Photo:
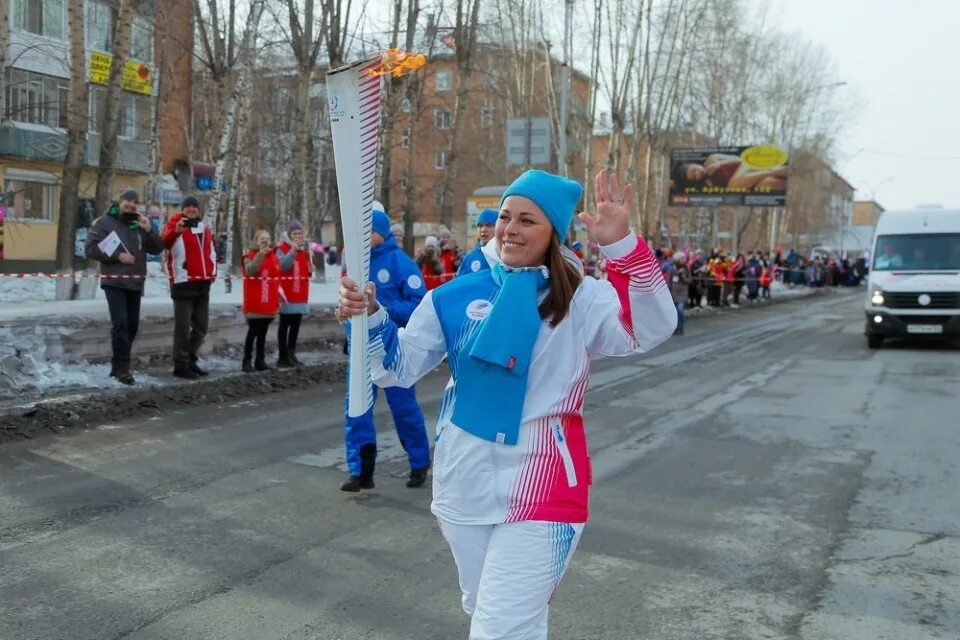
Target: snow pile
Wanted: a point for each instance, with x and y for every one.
(40, 288)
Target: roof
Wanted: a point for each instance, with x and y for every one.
(919, 221)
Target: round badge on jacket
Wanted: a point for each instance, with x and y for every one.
(479, 309)
(383, 276)
(414, 282)
(475, 265)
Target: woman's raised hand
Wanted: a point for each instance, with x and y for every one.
(611, 222)
(353, 301)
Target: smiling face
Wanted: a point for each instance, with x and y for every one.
(129, 206)
(297, 235)
(523, 233)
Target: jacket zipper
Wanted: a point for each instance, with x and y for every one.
(561, 443)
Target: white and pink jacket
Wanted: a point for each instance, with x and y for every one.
(546, 475)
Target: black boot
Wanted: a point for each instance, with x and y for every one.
(247, 366)
(122, 373)
(368, 461)
(197, 370)
(417, 477)
(284, 362)
(186, 372)
(292, 357)
(260, 364)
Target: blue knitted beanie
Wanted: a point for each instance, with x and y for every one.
(487, 216)
(556, 196)
(381, 224)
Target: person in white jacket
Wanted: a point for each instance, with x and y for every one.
(511, 476)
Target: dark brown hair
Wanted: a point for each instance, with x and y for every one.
(564, 280)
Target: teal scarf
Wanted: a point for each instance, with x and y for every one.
(492, 379)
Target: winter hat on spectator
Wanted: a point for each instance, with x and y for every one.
(431, 241)
(397, 229)
(487, 216)
(294, 225)
(556, 196)
(190, 201)
(381, 223)
(129, 194)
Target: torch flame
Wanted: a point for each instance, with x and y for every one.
(398, 63)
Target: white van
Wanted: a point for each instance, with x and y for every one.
(914, 283)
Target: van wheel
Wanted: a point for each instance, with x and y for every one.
(874, 341)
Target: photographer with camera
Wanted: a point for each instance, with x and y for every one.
(192, 268)
(120, 241)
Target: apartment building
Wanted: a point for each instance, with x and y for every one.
(33, 140)
(502, 87)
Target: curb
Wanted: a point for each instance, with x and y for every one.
(87, 410)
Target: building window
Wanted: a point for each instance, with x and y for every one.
(36, 98)
(444, 80)
(31, 195)
(441, 118)
(492, 78)
(141, 40)
(99, 19)
(405, 105)
(135, 121)
(42, 17)
(440, 160)
(405, 139)
(486, 117)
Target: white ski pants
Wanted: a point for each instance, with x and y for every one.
(508, 573)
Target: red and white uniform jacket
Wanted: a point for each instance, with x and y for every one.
(191, 255)
(546, 475)
(261, 292)
(295, 281)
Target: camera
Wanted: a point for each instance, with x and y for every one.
(191, 222)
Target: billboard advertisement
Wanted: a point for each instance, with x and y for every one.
(728, 177)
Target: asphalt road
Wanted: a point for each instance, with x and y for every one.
(764, 476)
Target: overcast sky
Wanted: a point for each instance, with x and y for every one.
(901, 59)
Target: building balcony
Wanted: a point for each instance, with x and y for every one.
(46, 144)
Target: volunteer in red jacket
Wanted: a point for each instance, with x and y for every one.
(261, 297)
(296, 267)
(192, 267)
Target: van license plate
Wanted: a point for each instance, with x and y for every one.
(924, 328)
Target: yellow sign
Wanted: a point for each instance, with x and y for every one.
(137, 77)
(764, 157)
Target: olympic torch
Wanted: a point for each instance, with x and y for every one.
(353, 93)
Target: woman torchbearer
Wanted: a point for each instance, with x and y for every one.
(511, 471)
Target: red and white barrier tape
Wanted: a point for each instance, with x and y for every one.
(108, 276)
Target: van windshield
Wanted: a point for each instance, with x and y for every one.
(918, 252)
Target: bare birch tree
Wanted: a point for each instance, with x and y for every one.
(243, 67)
(465, 39)
(110, 130)
(73, 163)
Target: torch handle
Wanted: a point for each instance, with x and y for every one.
(358, 365)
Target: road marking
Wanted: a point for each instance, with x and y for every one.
(613, 459)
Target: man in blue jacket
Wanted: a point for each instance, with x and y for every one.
(399, 290)
(475, 260)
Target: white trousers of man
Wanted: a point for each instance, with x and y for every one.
(508, 573)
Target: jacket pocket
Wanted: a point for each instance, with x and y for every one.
(561, 442)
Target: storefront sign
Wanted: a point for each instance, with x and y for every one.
(137, 77)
